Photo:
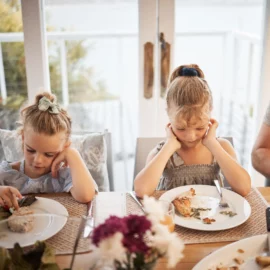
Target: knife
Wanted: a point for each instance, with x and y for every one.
(268, 226)
(80, 230)
(90, 223)
(134, 197)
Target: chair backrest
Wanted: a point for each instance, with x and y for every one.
(143, 147)
(108, 139)
(145, 144)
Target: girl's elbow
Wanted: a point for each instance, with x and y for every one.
(244, 192)
(85, 197)
(247, 187)
(141, 191)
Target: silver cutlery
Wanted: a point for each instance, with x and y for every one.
(80, 230)
(222, 202)
(89, 225)
(85, 229)
(134, 197)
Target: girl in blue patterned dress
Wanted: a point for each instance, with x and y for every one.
(191, 153)
(50, 164)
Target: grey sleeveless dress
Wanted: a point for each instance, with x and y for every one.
(177, 174)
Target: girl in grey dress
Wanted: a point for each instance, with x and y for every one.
(45, 132)
(191, 153)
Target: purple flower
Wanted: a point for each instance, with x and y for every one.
(137, 224)
(134, 238)
(133, 228)
(111, 225)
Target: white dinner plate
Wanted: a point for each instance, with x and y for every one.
(50, 219)
(208, 197)
(252, 247)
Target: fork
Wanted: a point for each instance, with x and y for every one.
(222, 202)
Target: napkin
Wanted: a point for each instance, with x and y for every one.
(108, 204)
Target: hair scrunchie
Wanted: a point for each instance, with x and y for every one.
(190, 72)
(45, 104)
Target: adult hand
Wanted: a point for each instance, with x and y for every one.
(171, 137)
(9, 195)
(210, 135)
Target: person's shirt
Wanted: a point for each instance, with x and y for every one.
(177, 174)
(266, 119)
(43, 184)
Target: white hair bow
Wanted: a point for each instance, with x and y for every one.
(45, 104)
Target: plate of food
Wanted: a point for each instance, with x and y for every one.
(197, 207)
(249, 254)
(38, 220)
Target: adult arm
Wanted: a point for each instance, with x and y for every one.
(260, 155)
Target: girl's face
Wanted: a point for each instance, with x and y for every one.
(40, 150)
(190, 133)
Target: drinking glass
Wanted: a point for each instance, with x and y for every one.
(169, 211)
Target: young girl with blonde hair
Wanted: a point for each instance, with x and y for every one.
(45, 131)
(191, 153)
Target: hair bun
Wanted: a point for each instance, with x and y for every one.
(191, 72)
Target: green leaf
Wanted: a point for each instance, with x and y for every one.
(41, 257)
(5, 260)
(17, 259)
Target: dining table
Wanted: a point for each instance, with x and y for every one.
(193, 252)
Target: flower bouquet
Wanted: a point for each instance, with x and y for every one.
(135, 242)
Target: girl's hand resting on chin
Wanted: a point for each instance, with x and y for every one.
(171, 138)
(61, 160)
(210, 135)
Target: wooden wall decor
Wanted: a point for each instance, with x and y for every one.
(148, 69)
(164, 64)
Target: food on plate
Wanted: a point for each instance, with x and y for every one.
(208, 220)
(228, 213)
(240, 250)
(5, 211)
(24, 221)
(26, 201)
(192, 191)
(263, 260)
(182, 203)
(239, 260)
(196, 212)
(183, 206)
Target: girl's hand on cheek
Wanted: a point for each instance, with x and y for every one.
(210, 135)
(59, 162)
(171, 138)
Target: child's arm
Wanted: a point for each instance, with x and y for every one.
(83, 189)
(147, 180)
(261, 151)
(222, 150)
(9, 195)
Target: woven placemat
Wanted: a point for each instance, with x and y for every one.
(63, 241)
(255, 225)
